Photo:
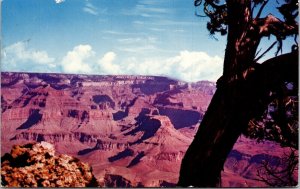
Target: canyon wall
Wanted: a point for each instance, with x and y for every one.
(132, 130)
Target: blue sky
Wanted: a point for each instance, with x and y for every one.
(144, 37)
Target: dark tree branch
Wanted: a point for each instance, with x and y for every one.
(289, 11)
(270, 25)
(262, 8)
(283, 68)
(282, 174)
(266, 51)
(279, 46)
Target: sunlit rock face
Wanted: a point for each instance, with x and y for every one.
(132, 130)
(36, 165)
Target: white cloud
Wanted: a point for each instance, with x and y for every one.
(108, 57)
(138, 40)
(187, 66)
(149, 2)
(157, 29)
(74, 61)
(107, 65)
(163, 22)
(138, 45)
(138, 49)
(144, 8)
(19, 57)
(91, 9)
(147, 9)
(194, 66)
(18, 52)
(59, 1)
(118, 33)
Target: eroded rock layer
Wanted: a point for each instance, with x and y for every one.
(132, 130)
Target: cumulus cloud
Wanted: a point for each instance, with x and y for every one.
(187, 66)
(107, 65)
(108, 58)
(19, 52)
(59, 1)
(19, 57)
(194, 66)
(75, 60)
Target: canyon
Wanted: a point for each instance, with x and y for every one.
(132, 130)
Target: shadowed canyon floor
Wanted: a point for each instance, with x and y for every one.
(132, 130)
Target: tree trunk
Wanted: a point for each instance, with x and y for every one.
(242, 41)
(229, 112)
(223, 123)
(242, 94)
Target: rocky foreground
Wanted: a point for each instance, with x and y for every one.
(36, 165)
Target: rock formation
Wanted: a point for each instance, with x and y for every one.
(35, 165)
(132, 130)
